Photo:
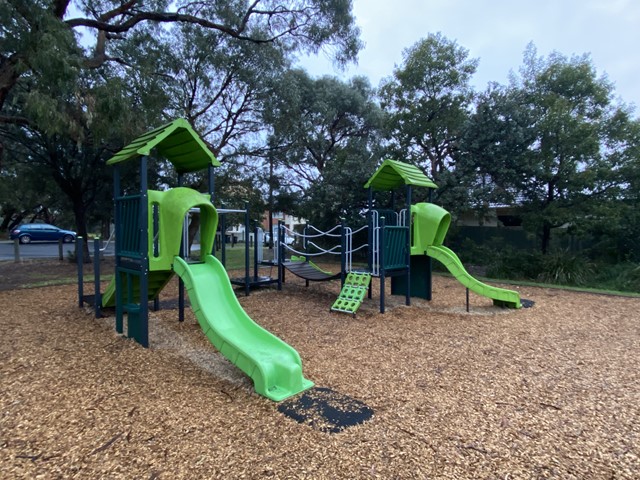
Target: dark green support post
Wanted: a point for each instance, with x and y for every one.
(97, 301)
(183, 250)
(467, 300)
(212, 192)
(118, 245)
(223, 237)
(211, 182)
(306, 249)
(256, 269)
(80, 265)
(370, 232)
(382, 269)
(281, 270)
(343, 252)
(429, 263)
(247, 272)
(143, 331)
(408, 245)
(181, 295)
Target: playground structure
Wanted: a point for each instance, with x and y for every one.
(149, 250)
(400, 246)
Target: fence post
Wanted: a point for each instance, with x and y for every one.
(16, 250)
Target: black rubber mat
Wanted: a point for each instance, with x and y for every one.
(326, 410)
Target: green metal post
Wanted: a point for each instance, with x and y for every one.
(144, 250)
(183, 248)
(80, 262)
(97, 302)
(381, 268)
(281, 275)
(247, 269)
(430, 263)
(118, 245)
(223, 237)
(343, 252)
(408, 245)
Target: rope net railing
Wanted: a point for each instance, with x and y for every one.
(314, 254)
(322, 250)
(399, 219)
(324, 234)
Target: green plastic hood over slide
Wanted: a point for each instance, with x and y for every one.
(431, 226)
(273, 365)
(172, 206)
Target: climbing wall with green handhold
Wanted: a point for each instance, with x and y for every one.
(352, 294)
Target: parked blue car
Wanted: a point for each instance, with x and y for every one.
(41, 232)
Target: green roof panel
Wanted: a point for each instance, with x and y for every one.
(177, 142)
(393, 174)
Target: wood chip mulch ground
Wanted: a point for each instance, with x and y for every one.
(551, 391)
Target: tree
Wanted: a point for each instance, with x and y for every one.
(553, 141)
(493, 147)
(76, 106)
(325, 135)
(427, 100)
(306, 25)
(28, 195)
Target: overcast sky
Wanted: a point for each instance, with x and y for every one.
(497, 33)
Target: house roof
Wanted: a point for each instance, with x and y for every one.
(393, 174)
(175, 141)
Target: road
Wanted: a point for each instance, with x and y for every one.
(42, 250)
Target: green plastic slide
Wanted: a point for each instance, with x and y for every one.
(273, 365)
(449, 259)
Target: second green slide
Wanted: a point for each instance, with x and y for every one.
(449, 259)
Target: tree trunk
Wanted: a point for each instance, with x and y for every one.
(80, 215)
(7, 216)
(8, 77)
(105, 229)
(546, 237)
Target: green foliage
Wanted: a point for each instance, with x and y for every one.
(324, 143)
(563, 268)
(66, 108)
(554, 142)
(427, 101)
(624, 277)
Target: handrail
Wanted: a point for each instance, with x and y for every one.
(307, 254)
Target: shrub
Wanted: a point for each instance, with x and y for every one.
(516, 265)
(563, 268)
(624, 277)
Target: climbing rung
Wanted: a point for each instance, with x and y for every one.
(358, 279)
(352, 293)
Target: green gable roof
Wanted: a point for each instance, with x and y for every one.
(175, 141)
(393, 174)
